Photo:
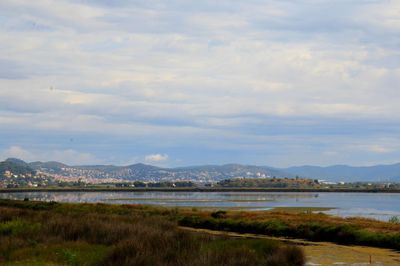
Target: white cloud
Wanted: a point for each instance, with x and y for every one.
(379, 146)
(380, 149)
(156, 158)
(16, 152)
(222, 74)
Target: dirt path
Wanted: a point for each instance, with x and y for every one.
(323, 253)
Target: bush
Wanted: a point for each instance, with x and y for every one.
(19, 227)
(218, 214)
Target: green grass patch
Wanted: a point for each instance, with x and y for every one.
(69, 253)
(18, 227)
(301, 209)
(346, 234)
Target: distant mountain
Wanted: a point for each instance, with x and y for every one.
(143, 172)
(16, 161)
(53, 167)
(15, 166)
(349, 173)
(220, 172)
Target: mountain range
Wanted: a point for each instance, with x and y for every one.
(347, 173)
(207, 173)
(143, 172)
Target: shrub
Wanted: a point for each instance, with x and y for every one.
(70, 257)
(19, 227)
(218, 214)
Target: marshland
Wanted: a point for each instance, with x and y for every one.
(52, 233)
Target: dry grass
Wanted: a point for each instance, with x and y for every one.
(300, 217)
(98, 234)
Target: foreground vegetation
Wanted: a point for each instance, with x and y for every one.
(301, 225)
(42, 233)
(39, 233)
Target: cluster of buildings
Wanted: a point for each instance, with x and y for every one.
(11, 180)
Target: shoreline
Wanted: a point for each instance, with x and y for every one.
(299, 190)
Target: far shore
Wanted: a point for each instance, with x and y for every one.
(194, 189)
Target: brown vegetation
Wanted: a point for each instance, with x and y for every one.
(99, 234)
(309, 226)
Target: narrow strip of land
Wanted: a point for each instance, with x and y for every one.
(195, 189)
(324, 253)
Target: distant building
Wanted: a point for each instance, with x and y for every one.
(7, 173)
(324, 182)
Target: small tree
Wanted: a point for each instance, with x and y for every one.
(394, 220)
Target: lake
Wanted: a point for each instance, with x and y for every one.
(380, 206)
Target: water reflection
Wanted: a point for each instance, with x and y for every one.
(372, 205)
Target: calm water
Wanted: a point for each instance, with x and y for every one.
(373, 205)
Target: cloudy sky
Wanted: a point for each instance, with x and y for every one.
(182, 82)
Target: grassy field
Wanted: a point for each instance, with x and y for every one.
(39, 233)
(299, 223)
(300, 209)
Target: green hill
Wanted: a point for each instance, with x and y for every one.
(16, 167)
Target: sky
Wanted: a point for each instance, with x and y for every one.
(184, 82)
